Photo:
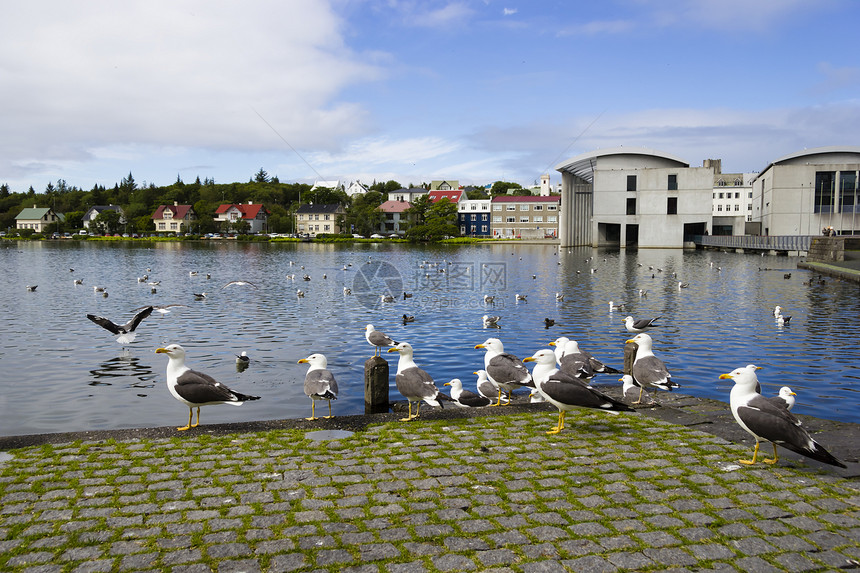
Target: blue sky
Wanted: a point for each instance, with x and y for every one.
(473, 90)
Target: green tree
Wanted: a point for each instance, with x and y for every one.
(502, 187)
(261, 176)
(419, 209)
(363, 215)
(440, 221)
(108, 221)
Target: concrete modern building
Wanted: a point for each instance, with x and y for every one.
(732, 201)
(808, 191)
(473, 217)
(526, 217)
(633, 196)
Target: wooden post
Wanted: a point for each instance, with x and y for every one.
(629, 357)
(376, 385)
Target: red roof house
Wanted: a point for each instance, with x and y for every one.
(256, 215)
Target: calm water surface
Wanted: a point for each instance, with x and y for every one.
(61, 372)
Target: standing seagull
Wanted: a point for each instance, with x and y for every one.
(766, 421)
(567, 392)
(505, 370)
(195, 389)
(486, 387)
(126, 331)
(631, 390)
(784, 399)
(319, 383)
(648, 370)
(377, 339)
(414, 383)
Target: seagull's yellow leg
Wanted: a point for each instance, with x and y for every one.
(417, 409)
(499, 402)
(198, 418)
(755, 456)
(409, 417)
(313, 410)
(641, 389)
(329, 410)
(775, 456)
(190, 414)
(510, 398)
(560, 424)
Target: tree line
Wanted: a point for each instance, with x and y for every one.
(139, 202)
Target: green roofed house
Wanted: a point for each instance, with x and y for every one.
(37, 218)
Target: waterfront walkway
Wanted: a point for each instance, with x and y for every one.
(479, 490)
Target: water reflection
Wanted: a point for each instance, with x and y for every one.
(721, 321)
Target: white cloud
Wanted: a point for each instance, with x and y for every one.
(509, 11)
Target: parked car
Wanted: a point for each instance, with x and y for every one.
(357, 236)
(376, 236)
(82, 232)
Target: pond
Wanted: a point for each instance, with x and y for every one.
(62, 372)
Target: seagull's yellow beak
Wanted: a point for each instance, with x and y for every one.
(302, 361)
(629, 341)
(724, 376)
(621, 379)
(529, 359)
(446, 384)
(475, 373)
(161, 351)
(793, 393)
(480, 346)
(552, 343)
(392, 350)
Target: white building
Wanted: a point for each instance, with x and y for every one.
(632, 196)
(807, 191)
(356, 188)
(408, 195)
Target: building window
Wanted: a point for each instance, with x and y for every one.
(551, 219)
(672, 206)
(162, 226)
(537, 208)
(721, 182)
(719, 207)
(847, 191)
(537, 219)
(174, 226)
(524, 207)
(474, 217)
(474, 207)
(749, 195)
(824, 195)
(631, 206)
(631, 183)
(524, 219)
(749, 206)
(738, 195)
(483, 228)
(497, 207)
(673, 183)
(510, 219)
(497, 219)
(737, 207)
(511, 208)
(484, 217)
(473, 229)
(552, 207)
(485, 206)
(722, 195)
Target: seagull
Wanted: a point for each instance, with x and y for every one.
(79, 281)
(648, 370)
(125, 332)
(581, 364)
(239, 283)
(192, 273)
(486, 387)
(377, 339)
(505, 370)
(490, 320)
(386, 298)
(777, 310)
(683, 285)
(489, 299)
(347, 291)
(559, 344)
(199, 296)
(632, 390)
(243, 358)
(559, 297)
(567, 392)
(765, 421)
(319, 383)
(465, 398)
(638, 326)
(161, 309)
(408, 319)
(98, 289)
(300, 293)
(195, 389)
(782, 319)
(521, 297)
(414, 383)
(785, 398)
(613, 306)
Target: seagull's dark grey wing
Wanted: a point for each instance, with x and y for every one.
(199, 388)
(132, 324)
(105, 323)
(507, 369)
(380, 339)
(469, 398)
(321, 383)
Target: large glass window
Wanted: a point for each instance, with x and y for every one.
(673, 183)
(631, 183)
(847, 191)
(824, 191)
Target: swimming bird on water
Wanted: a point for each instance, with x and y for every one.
(639, 325)
(196, 389)
(243, 358)
(490, 321)
(768, 422)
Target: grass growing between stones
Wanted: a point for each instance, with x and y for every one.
(610, 492)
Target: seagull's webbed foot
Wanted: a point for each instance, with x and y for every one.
(775, 457)
(313, 412)
(754, 458)
(409, 416)
(198, 419)
(188, 425)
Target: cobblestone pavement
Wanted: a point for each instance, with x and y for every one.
(482, 493)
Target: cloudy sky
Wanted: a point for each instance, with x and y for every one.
(414, 90)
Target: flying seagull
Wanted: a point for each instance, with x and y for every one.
(125, 331)
(239, 283)
(196, 389)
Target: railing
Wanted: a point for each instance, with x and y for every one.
(755, 242)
